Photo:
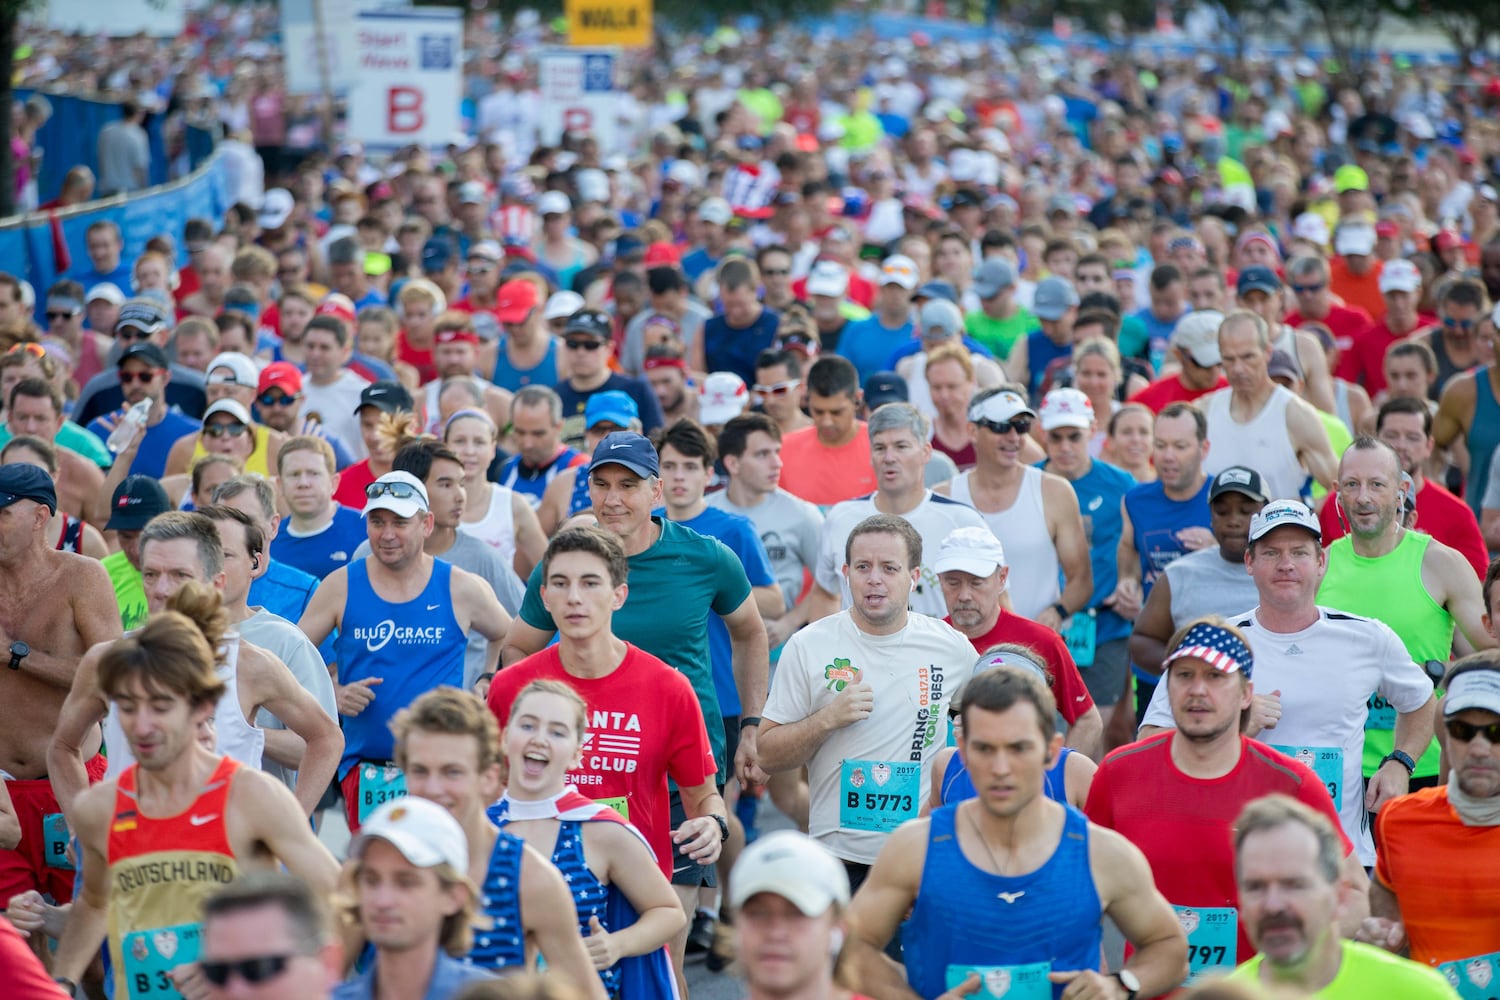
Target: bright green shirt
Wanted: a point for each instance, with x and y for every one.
(1367, 972)
(130, 595)
(1000, 335)
(75, 439)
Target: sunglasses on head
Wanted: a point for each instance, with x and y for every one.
(778, 389)
(1309, 289)
(224, 430)
(1464, 732)
(259, 969)
(401, 491)
(276, 399)
(129, 378)
(583, 345)
(37, 350)
(1021, 425)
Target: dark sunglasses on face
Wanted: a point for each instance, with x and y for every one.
(1309, 289)
(224, 430)
(583, 345)
(401, 491)
(1459, 324)
(778, 272)
(1021, 425)
(129, 378)
(60, 314)
(276, 399)
(1464, 732)
(132, 333)
(254, 971)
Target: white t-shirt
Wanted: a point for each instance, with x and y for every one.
(1326, 673)
(334, 405)
(913, 673)
(934, 518)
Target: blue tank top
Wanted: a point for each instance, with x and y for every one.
(1053, 915)
(957, 785)
(1483, 437)
(414, 647)
(544, 372)
(579, 501)
(589, 894)
(1041, 352)
(1155, 520)
(502, 944)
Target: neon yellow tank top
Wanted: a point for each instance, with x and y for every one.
(258, 462)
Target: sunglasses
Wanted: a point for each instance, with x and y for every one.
(1466, 731)
(1021, 425)
(1459, 324)
(132, 333)
(130, 378)
(481, 268)
(224, 430)
(60, 314)
(34, 349)
(401, 491)
(1309, 289)
(254, 971)
(583, 345)
(779, 389)
(276, 399)
(776, 272)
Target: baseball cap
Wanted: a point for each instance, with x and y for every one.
(149, 353)
(592, 322)
(662, 254)
(627, 448)
(339, 306)
(885, 387)
(1350, 177)
(1473, 689)
(232, 368)
(899, 269)
(1257, 278)
(721, 398)
(386, 396)
(553, 203)
(275, 208)
(1054, 297)
(64, 303)
(106, 290)
(1000, 407)
(1215, 645)
(456, 335)
(1312, 227)
(472, 193)
(1356, 239)
(973, 550)
(145, 313)
(23, 481)
(1197, 333)
(613, 406)
(939, 318)
(401, 493)
(1281, 365)
(1238, 479)
(715, 210)
(561, 304)
(1281, 513)
(281, 375)
(424, 832)
(436, 253)
(793, 866)
(233, 407)
(937, 288)
(993, 276)
(137, 500)
(828, 277)
(1399, 275)
(515, 299)
(1066, 408)
(486, 250)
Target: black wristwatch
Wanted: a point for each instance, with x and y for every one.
(1062, 610)
(1128, 980)
(723, 826)
(1400, 757)
(67, 986)
(18, 652)
(750, 720)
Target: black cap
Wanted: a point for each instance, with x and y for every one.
(20, 481)
(885, 387)
(147, 352)
(1241, 480)
(137, 500)
(387, 397)
(594, 322)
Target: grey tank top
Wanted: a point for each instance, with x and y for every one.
(1205, 583)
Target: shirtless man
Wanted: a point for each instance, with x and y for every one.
(53, 607)
(34, 407)
(178, 547)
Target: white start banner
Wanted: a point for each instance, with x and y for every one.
(408, 81)
(578, 94)
(300, 42)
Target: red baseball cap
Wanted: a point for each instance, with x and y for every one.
(515, 299)
(281, 375)
(459, 335)
(662, 254)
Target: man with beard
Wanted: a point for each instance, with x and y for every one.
(666, 369)
(1201, 775)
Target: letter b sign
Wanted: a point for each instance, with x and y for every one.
(403, 110)
(579, 121)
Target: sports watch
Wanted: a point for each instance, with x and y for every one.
(18, 652)
(1128, 980)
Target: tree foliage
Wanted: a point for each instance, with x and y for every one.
(10, 17)
(1471, 25)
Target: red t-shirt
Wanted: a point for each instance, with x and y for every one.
(418, 358)
(644, 724)
(1344, 322)
(352, 483)
(1364, 361)
(1067, 683)
(1184, 825)
(1169, 389)
(1439, 513)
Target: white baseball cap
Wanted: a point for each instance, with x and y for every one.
(561, 305)
(411, 501)
(553, 203)
(1399, 275)
(1312, 227)
(899, 269)
(715, 210)
(828, 277)
(233, 407)
(972, 550)
(722, 397)
(1198, 334)
(1066, 408)
(793, 866)
(232, 368)
(1000, 407)
(1354, 239)
(1473, 689)
(1279, 513)
(424, 832)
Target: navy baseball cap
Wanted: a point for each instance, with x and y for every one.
(436, 253)
(21, 481)
(144, 351)
(1257, 278)
(885, 387)
(136, 501)
(387, 397)
(627, 448)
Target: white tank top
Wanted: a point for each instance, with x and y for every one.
(1035, 575)
(1262, 444)
(431, 391)
(498, 527)
(237, 738)
(917, 393)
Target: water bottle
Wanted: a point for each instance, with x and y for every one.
(135, 417)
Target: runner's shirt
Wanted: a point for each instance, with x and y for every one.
(321, 552)
(1068, 689)
(1366, 971)
(532, 483)
(790, 528)
(161, 870)
(868, 778)
(1325, 674)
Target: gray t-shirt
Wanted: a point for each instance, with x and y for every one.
(633, 351)
(286, 642)
(1205, 583)
(474, 556)
(789, 527)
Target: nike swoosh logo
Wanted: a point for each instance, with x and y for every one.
(1082, 697)
(433, 607)
(200, 820)
(616, 447)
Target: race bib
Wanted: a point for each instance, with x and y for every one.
(55, 835)
(1212, 933)
(1473, 978)
(1327, 763)
(618, 803)
(1081, 633)
(1013, 982)
(1381, 714)
(877, 795)
(379, 784)
(150, 956)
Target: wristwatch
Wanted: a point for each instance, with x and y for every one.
(67, 986)
(18, 652)
(1128, 980)
(1400, 757)
(1061, 609)
(723, 826)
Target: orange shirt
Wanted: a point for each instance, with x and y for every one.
(823, 475)
(1358, 290)
(1443, 875)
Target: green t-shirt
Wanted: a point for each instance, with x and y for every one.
(1000, 335)
(1339, 438)
(1367, 971)
(673, 586)
(75, 439)
(129, 594)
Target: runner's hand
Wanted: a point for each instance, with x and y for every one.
(1126, 600)
(967, 988)
(1049, 618)
(27, 911)
(1383, 933)
(1265, 712)
(1387, 783)
(1088, 985)
(699, 839)
(779, 630)
(851, 705)
(1194, 539)
(190, 982)
(747, 758)
(601, 945)
(355, 698)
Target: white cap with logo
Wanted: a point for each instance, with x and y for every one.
(1066, 408)
(424, 832)
(973, 550)
(401, 493)
(794, 866)
(1283, 513)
